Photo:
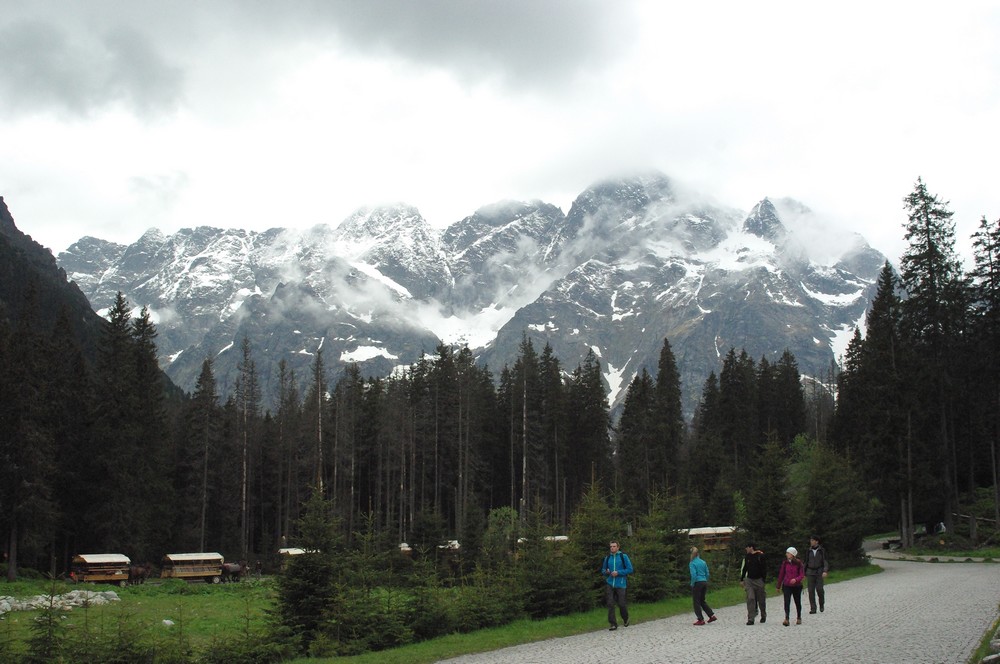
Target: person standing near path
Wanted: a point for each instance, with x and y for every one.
(699, 587)
(616, 568)
(753, 575)
(790, 577)
(816, 569)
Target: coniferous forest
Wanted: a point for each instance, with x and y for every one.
(99, 453)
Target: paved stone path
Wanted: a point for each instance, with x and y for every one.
(913, 612)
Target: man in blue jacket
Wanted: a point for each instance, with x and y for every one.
(616, 568)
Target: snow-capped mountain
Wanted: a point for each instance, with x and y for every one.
(633, 261)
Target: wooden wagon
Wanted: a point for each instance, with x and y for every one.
(193, 566)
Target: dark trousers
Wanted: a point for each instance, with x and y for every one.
(756, 597)
(793, 592)
(617, 596)
(698, 592)
(815, 588)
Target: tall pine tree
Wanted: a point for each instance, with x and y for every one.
(933, 321)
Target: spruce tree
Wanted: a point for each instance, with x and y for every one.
(595, 522)
(152, 444)
(246, 399)
(347, 406)
(848, 429)
(789, 399)
(706, 460)
(588, 430)
(640, 470)
(660, 551)
(933, 320)
(886, 447)
(669, 415)
(27, 464)
(310, 580)
(554, 433)
(986, 312)
(529, 462)
(199, 458)
(833, 504)
(739, 427)
(113, 521)
(69, 397)
(768, 508)
(288, 441)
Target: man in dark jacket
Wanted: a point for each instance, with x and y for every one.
(616, 567)
(816, 569)
(753, 573)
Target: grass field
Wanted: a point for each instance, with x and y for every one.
(203, 614)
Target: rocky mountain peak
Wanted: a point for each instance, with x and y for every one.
(377, 224)
(6, 220)
(763, 221)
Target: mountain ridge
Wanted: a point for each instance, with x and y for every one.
(633, 261)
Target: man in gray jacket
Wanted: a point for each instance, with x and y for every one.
(816, 569)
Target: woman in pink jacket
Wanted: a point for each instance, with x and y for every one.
(790, 582)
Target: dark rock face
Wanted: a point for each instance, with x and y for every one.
(30, 278)
(632, 262)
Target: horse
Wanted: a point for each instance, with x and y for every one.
(137, 574)
(233, 572)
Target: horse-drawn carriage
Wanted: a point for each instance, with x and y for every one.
(193, 566)
(100, 568)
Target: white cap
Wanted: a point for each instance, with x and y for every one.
(792, 550)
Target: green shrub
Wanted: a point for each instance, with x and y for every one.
(361, 621)
(659, 553)
(432, 612)
(553, 582)
(48, 635)
(492, 599)
(262, 650)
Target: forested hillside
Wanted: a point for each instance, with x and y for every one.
(97, 457)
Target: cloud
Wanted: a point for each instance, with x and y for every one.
(517, 42)
(159, 192)
(321, 106)
(75, 73)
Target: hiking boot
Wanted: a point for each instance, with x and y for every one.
(712, 618)
(698, 623)
(785, 622)
(750, 622)
(812, 610)
(798, 621)
(612, 628)
(763, 619)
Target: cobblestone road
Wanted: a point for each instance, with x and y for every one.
(912, 612)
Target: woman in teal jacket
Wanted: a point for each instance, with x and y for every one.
(699, 587)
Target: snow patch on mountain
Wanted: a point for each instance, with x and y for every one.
(834, 299)
(362, 353)
(616, 380)
(374, 273)
(783, 298)
(740, 251)
(840, 338)
(476, 329)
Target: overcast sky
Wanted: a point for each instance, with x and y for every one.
(117, 116)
